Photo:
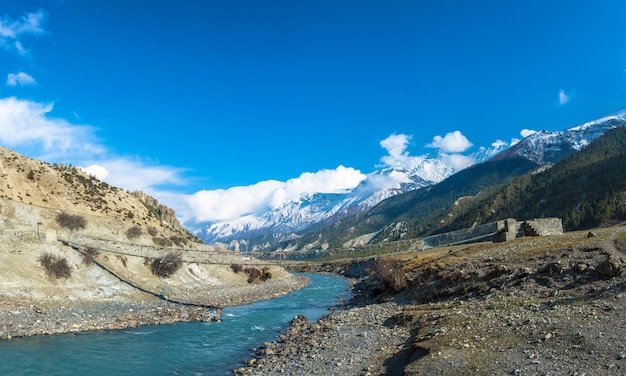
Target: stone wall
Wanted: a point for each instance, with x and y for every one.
(508, 229)
(544, 227)
(511, 228)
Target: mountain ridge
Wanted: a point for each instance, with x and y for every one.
(311, 212)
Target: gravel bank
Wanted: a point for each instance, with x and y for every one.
(27, 318)
(357, 341)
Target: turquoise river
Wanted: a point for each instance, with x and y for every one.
(179, 349)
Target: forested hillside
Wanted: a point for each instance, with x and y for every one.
(586, 189)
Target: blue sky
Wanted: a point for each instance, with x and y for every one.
(221, 108)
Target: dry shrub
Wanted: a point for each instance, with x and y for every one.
(55, 266)
(152, 231)
(166, 266)
(236, 268)
(391, 272)
(253, 274)
(71, 222)
(178, 240)
(265, 274)
(123, 260)
(162, 242)
(134, 232)
(89, 255)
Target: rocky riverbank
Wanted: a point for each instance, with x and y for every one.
(357, 341)
(537, 306)
(27, 318)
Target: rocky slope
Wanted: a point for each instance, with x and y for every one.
(534, 306)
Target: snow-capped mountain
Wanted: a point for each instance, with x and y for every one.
(322, 209)
(549, 147)
(312, 209)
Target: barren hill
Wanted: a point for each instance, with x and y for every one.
(115, 253)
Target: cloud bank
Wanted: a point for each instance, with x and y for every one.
(234, 202)
(227, 204)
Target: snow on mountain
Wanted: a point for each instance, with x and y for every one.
(315, 209)
(545, 147)
(310, 209)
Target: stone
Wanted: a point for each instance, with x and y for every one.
(611, 267)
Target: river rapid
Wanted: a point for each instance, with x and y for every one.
(179, 349)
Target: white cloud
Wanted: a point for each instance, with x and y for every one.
(133, 175)
(27, 125)
(97, 171)
(433, 168)
(26, 122)
(453, 142)
(21, 78)
(396, 144)
(527, 132)
(563, 97)
(20, 49)
(459, 161)
(398, 156)
(498, 143)
(12, 30)
(225, 204)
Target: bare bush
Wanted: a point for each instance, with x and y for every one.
(122, 259)
(162, 242)
(168, 265)
(236, 268)
(178, 240)
(89, 255)
(134, 232)
(391, 272)
(55, 266)
(152, 231)
(253, 274)
(71, 222)
(265, 274)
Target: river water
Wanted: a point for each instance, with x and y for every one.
(177, 349)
